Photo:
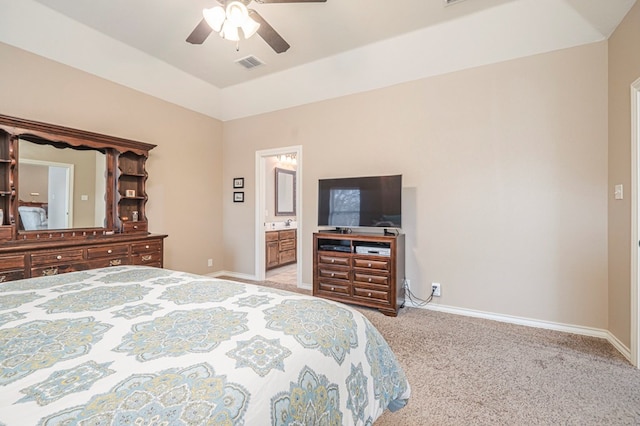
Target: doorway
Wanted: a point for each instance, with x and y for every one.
(635, 223)
(51, 184)
(265, 217)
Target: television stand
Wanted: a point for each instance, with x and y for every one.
(360, 269)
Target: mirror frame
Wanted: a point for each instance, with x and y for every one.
(60, 136)
(278, 210)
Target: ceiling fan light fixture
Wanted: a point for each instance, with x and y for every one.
(237, 13)
(249, 27)
(215, 17)
(229, 32)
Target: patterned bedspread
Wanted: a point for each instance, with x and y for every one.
(145, 346)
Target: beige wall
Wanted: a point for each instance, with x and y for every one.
(184, 183)
(505, 180)
(624, 69)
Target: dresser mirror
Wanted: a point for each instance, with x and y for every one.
(60, 187)
(59, 183)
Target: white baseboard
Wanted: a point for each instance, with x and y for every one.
(567, 328)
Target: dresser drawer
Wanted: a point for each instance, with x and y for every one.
(333, 260)
(329, 287)
(146, 258)
(335, 274)
(45, 271)
(372, 279)
(371, 264)
(377, 295)
(107, 251)
(131, 227)
(104, 263)
(17, 274)
(148, 247)
(56, 257)
(13, 261)
(6, 233)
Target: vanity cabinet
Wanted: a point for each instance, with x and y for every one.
(280, 248)
(110, 229)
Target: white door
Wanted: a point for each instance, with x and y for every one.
(58, 197)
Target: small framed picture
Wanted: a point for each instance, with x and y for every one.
(130, 193)
(238, 197)
(238, 183)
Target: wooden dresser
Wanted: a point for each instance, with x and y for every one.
(102, 220)
(37, 259)
(347, 269)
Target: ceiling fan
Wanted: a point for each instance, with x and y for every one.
(231, 16)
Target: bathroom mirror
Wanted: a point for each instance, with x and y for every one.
(285, 186)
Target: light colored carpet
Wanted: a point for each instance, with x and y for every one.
(470, 371)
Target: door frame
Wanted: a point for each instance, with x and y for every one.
(261, 206)
(635, 223)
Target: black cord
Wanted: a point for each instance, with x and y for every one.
(415, 300)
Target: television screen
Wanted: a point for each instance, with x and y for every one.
(360, 201)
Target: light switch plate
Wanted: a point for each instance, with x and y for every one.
(618, 192)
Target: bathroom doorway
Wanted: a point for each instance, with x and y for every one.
(278, 215)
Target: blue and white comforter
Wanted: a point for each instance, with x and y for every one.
(146, 346)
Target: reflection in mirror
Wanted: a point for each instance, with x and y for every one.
(60, 188)
(285, 192)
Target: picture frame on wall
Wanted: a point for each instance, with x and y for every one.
(238, 182)
(238, 197)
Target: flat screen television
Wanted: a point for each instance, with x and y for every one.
(372, 201)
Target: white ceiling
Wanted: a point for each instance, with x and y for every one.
(337, 48)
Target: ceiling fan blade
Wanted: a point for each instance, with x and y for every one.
(290, 1)
(268, 34)
(200, 33)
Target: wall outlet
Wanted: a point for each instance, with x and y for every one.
(210, 262)
(435, 288)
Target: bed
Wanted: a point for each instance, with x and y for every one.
(134, 345)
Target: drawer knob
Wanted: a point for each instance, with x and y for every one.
(369, 279)
(58, 257)
(147, 246)
(368, 294)
(109, 251)
(333, 261)
(333, 274)
(135, 226)
(369, 265)
(147, 258)
(333, 288)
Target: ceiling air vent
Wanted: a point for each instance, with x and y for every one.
(250, 62)
(450, 2)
